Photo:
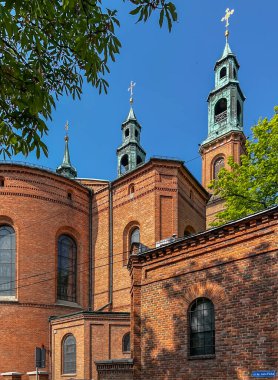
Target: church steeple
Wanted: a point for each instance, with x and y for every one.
(225, 101)
(66, 169)
(225, 122)
(130, 153)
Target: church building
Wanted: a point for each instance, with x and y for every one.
(125, 279)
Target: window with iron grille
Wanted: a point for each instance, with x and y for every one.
(202, 330)
(7, 261)
(67, 255)
(126, 342)
(69, 355)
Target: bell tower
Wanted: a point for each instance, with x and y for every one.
(130, 153)
(225, 121)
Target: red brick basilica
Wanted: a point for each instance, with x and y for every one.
(125, 279)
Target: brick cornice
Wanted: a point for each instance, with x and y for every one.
(210, 238)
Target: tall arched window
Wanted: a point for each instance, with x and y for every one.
(124, 164)
(220, 110)
(126, 342)
(223, 72)
(134, 240)
(7, 261)
(202, 330)
(69, 355)
(67, 252)
(217, 166)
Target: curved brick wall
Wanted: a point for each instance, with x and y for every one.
(38, 206)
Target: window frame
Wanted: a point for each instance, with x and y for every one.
(65, 338)
(204, 354)
(10, 292)
(73, 297)
(124, 342)
(215, 161)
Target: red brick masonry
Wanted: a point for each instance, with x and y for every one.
(235, 266)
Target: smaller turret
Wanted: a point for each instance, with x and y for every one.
(130, 153)
(66, 169)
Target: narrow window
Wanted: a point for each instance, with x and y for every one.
(131, 189)
(124, 164)
(202, 330)
(220, 110)
(188, 231)
(134, 241)
(217, 166)
(238, 109)
(2, 182)
(138, 160)
(67, 253)
(127, 132)
(69, 355)
(126, 343)
(235, 74)
(223, 72)
(7, 261)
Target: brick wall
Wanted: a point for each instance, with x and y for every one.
(160, 206)
(98, 337)
(230, 145)
(236, 268)
(36, 204)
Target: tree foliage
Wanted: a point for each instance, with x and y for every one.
(253, 185)
(47, 47)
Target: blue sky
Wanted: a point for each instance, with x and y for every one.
(173, 74)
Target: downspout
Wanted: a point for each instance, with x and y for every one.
(91, 258)
(110, 245)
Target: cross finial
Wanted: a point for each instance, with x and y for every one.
(226, 18)
(130, 89)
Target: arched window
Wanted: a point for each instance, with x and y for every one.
(7, 261)
(69, 355)
(202, 330)
(124, 164)
(67, 252)
(134, 240)
(127, 132)
(131, 189)
(126, 342)
(223, 72)
(188, 231)
(220, 110)
(138, 160)
(238, 111)
(235, 74)
(217, 166)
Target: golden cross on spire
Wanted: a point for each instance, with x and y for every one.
(130, 89)
(226, 18)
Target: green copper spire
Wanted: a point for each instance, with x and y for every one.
(66, 169)
(130, 153)
(227, 50)
(225, 101)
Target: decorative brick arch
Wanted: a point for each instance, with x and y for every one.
(208, 289)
